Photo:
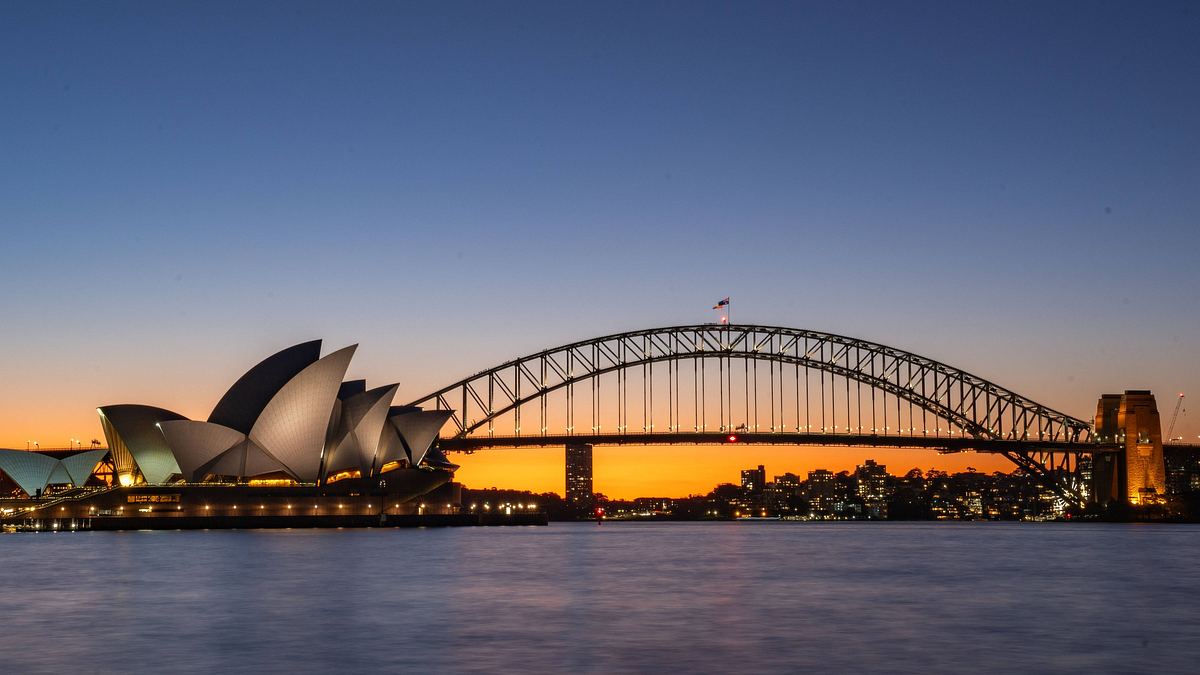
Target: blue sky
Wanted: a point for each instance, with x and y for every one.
(1010, 187)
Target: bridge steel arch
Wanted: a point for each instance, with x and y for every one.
(966, 404)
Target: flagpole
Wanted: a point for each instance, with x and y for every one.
(725, 305)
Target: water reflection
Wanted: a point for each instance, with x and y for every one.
(625, 597)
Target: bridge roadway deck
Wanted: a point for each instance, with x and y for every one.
(941, 444)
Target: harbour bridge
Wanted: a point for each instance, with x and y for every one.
(723, 383)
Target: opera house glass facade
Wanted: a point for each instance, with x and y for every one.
(290, 422)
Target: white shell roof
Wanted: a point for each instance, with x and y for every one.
(292, 428)
(418, 429)
(33, 471)
(198, 443)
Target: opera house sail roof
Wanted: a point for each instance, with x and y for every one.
(357, 438)
(291, 416)
(418, 429)
(135, 442)
(34, 471)
(245, 400)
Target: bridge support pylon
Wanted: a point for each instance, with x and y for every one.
(1138, 474)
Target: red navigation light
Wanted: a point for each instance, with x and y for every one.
(733, 438)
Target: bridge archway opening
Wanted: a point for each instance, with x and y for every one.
(629, 471)
(771, 384)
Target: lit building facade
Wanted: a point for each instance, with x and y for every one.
(754, 480)
(580, 498)
(1183, 470)
(821, 492)
(873, 488)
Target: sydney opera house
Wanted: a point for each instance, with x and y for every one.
(291, 438)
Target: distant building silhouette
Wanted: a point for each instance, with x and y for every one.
(754, 480)
(821, 491)
(580, 499)
(873, 488)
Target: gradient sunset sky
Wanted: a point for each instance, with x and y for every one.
(1009, 187)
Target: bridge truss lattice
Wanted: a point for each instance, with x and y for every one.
(765, 382)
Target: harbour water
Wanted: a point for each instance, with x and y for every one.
(621, 597)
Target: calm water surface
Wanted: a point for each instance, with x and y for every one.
(622, 597)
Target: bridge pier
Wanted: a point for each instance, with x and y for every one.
(1138, 474)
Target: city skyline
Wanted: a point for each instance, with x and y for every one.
(628, 470)
(460, 336)
(911, 175)
(625, 470)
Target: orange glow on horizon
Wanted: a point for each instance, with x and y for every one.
(626, 472)
(623, 472)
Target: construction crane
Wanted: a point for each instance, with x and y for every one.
(1174, 416)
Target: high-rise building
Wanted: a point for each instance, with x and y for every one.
(788, 481)
(754, 480)
(821, 492)
(781, 497)
(579, 479)
(873, 487)
(1183, 470)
